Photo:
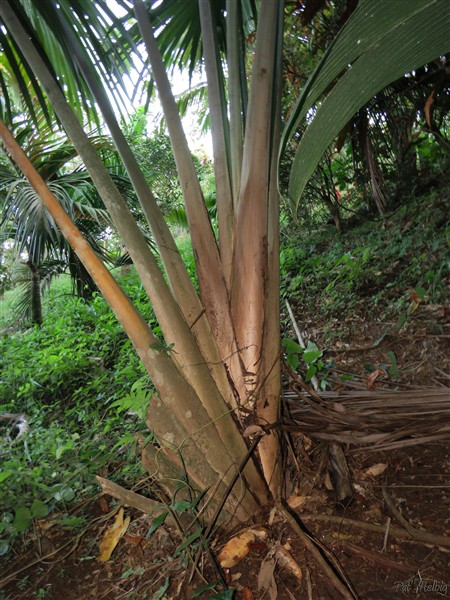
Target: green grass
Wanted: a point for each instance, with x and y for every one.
(6, 308)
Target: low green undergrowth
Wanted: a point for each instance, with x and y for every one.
(376, 264)
(84, 393)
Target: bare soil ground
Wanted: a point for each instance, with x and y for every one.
(365, 543)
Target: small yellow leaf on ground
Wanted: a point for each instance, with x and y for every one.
(112, 536)
(235, 549)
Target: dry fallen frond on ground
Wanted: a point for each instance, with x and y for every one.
(376, 419)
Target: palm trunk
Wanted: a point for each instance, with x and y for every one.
(220, 138)
(250, 267)
(268, 404)
(213, 288)
(181, 285)
(179, 425)
(375, 176)
(36, 298)
(174, 327)
(235, 95)
(240, 299)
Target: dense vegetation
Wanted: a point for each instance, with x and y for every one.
(376, 264)
(85, 393)
(329, 190)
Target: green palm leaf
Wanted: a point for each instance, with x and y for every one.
(19, 82)
(180, 38)
(23, 216)
(48, 271)
(103, 39)
(382, 41)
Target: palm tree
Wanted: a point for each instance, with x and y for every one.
(220, 365)
(36, 238)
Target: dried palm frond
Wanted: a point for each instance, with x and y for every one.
(378, 420)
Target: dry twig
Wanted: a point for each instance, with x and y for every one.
(427, 538)
(376, 557)
(346, 591)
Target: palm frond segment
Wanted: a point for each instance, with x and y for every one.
(380, 43)
(102, 37)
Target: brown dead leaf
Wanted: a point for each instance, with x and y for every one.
(272, 516)
(266, 579)
(247, 594)
(253, 430)
(343, 136)
(257, 546)
(112, 536)
(375, 470)
(373, 514)
(104, 505)
(328, 483)
(297, 501)
(338, 535)
(260, 534)
(307, 443)
(134, 539)
(235, 549)
(373, 376)
(285, 560)
(416, 301)
(48, 521)
(340, 408)
(359, 489)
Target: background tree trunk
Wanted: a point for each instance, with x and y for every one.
(36, 298)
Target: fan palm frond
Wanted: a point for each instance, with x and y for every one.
(25, 220)
(103, 39)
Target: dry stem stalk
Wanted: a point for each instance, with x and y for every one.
(344, 590)
(421, 536)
